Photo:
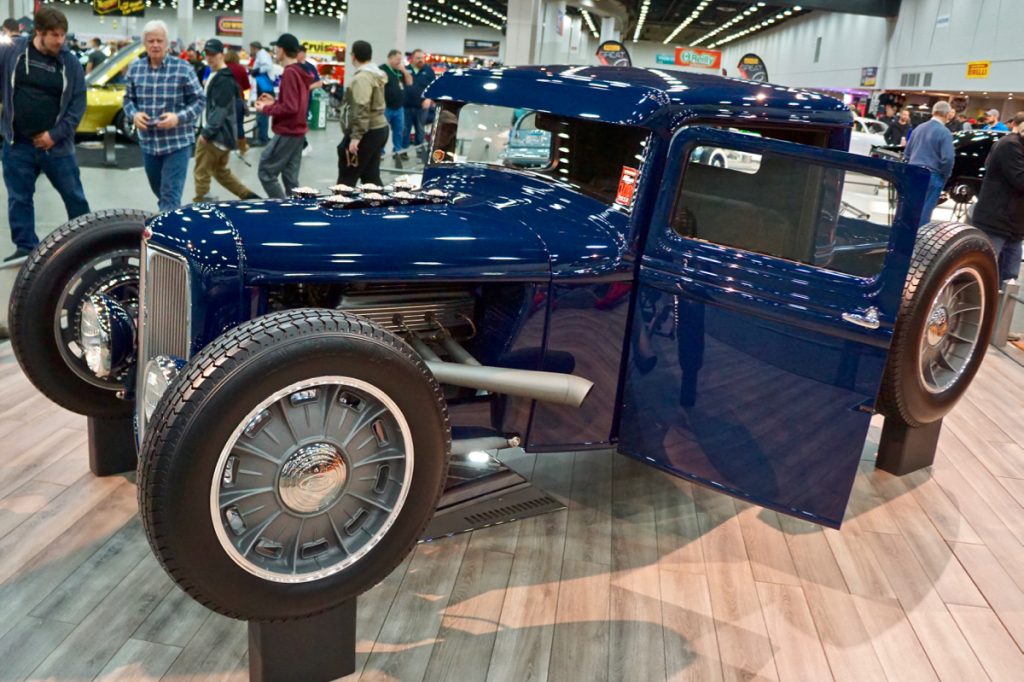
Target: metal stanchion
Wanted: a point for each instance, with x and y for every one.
(110, 146)
(1004, 318)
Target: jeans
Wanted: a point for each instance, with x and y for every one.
(262, 128)
(166, 174)
(396, 121)
(22, 165)
(931, 198)
(414, 121)
(282, 157)
(1008, 254)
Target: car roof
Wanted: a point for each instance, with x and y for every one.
(651, 98)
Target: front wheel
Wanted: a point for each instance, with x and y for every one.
(293, 465)
(944, 323)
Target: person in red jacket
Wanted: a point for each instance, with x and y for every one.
(283, 156)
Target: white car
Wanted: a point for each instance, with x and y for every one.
(867, 133)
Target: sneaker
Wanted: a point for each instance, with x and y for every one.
(403, 155)
(307, 151)
(20, 253)
(259, 143)
(250, 196)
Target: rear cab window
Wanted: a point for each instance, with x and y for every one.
(600, 160)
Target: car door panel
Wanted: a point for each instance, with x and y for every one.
(751, 372)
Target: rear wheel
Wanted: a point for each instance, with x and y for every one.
(294, 465)
(126, 127)
(93, 255)
(943, 326)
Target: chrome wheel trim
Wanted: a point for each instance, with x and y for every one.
(949, 338)
(329, 496)
(113, 274)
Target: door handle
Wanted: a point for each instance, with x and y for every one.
(869, 319)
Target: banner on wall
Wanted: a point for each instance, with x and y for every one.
(481, 48)
(978, 69)
(869, 76)
(752, 68)
(613, 53)
(119, 8)
(695, 57)
(324, 47)
(229, 25)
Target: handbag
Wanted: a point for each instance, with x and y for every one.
(264, 86)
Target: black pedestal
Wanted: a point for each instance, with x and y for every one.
(315, 649)
(904, 449)
(111, 446)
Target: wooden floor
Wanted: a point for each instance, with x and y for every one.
(645, 577)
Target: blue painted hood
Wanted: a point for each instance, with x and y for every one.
(497, 225)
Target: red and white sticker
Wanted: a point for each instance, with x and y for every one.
(627, 185)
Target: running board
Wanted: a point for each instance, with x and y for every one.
(482, 494)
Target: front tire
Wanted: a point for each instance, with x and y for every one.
(97, 253)
(293, 465)
(943, 325)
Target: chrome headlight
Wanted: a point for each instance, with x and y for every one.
(94, 336)
(107, 335)
(159, 373)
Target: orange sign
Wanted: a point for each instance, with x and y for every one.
(696, 57)
(229, 25)
(627, 186)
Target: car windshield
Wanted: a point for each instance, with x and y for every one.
(101, 75)
(592, 156)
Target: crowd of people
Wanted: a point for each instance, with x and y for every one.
(192, 108)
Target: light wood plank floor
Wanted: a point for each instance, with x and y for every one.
(644, 577)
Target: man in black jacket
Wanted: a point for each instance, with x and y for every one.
(1000, 209)
(218, 134)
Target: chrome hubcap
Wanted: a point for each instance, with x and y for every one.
(311, 479)
(950, 336)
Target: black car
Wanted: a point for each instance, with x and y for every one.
(972, 148)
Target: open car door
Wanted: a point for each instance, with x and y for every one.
(768, 290)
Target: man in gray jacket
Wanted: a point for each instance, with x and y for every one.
(43, 94)
(218, 134)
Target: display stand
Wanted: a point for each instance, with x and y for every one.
(323, 647)
(314, 649)
(111, 446)
(904, 449)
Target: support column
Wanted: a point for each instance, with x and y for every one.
(252, 22)
(609, 29)
(282, 18)
(555, 39)
(382, 23)
(575, 55)
(184, 30)
(522, 45)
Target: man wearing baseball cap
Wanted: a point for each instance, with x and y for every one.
(218, 133)
(992, 121)
(283, 156)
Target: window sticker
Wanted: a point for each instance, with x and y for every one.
(627, 185)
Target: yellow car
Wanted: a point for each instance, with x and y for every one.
(105, 94)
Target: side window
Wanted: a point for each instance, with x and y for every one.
(787, 208)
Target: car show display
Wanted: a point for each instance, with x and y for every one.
(595, 257)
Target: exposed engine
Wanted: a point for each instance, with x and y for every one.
(399, 308)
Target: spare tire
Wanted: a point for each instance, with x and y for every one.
(97, 253)
(943, 325)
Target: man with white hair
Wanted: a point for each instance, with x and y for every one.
(931, 146)
(164, 100)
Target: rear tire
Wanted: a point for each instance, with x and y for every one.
(943, 325)
(94, 253)
(293, 465)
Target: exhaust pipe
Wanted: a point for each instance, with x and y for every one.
(464, 446)
(550, 387)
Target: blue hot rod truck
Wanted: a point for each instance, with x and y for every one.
(688, 268)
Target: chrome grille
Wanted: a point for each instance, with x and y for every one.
(165, 318)
(166, 311)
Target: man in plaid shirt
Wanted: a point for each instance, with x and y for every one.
(164, 99)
